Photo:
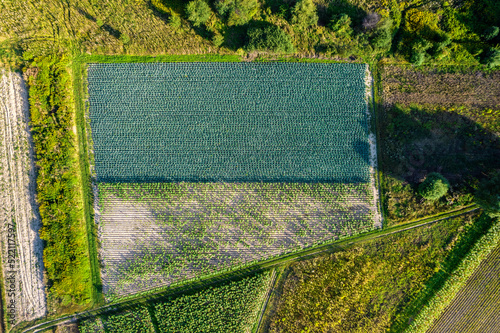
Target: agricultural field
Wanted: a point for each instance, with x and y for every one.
(229, 307)
(21, 247)
(256, 164)
(476, 307)
(435, 121)
(230, 122)
(154, 234)
(364, 287)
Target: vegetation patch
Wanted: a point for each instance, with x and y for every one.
(228, 307)
(365, 287)
(59, 193)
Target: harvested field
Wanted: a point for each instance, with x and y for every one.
(476, 308)
(22, 248)
(473, 89)
(157, 234)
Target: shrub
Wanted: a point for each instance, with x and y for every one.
(198, 12)
(492, 58)
(382, 37)
(491, 33)
(434, 186)
(269, 38)
(237, 12)
(305, 13)
(174, 21)
(341, 24)
(488, 195)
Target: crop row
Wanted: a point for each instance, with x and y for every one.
(153, 234)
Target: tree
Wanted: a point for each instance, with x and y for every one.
(198, 12)
(382, 37)
(305, 14)
(237, 12)
(370, 21)
(488, 195)
(434, 186)
(269, 38)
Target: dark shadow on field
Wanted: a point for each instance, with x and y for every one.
(415, 142)
(106, 27)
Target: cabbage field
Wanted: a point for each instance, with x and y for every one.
(204, 167)
(269, 122)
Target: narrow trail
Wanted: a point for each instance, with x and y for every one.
(20, 212)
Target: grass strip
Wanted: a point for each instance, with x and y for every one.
(88, 199)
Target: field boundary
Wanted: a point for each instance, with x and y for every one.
(88, 199)
(199, 283)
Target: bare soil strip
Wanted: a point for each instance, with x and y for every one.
(473, 89)
(22, 249)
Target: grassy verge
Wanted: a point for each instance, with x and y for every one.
(88, 199)
(158, 58)
(59, 185)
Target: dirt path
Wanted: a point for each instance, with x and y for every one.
(22, 248)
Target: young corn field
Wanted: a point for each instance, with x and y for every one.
(202, 167)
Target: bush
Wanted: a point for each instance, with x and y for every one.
(488, 195)
(434, 186)
(198, 12)
(492, 58)
(341, 24)
(491, 33)
(174, 21)
(237, 12)
(305, 13)
(269, 38)
(382, 37)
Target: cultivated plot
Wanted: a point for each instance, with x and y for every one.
(204, 166)
(154, 234)
(22, 248)
(476, 308)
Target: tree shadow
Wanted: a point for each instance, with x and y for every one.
(106, 27)
(416, 141)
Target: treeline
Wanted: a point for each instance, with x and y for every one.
(59, 193)
(418, 31)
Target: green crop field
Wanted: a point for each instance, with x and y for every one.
(202, 167)
(229, 122)
(229, 307)
(158, 233)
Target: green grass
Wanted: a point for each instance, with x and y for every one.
(366, 286)
(78, 75)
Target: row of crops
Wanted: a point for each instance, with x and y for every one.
(229, 122)
(230, 307)
(159, 233)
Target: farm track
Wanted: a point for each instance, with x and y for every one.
(476, 307)
(161, 293)
(19, 207)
